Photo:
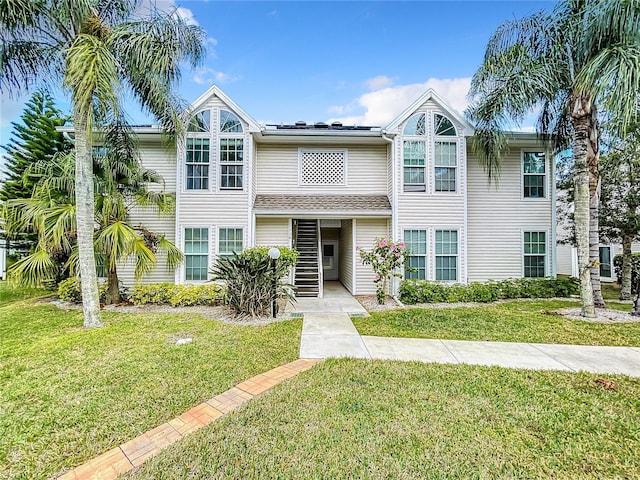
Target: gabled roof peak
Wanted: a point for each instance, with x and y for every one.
(214, 90)
(430, 94)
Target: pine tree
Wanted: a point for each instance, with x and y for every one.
(34, 139)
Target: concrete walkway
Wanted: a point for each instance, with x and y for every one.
(327, 332)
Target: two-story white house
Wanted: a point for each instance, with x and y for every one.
(328, 189)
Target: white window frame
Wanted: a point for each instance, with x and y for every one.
(184, 243)
(219, 163)
(545, 186)
(425, 255)
(430, 139)
(546, 249)
(456, 167)
(345, 163)
(425, 167)
(219, 253)
(456, 255)
(209, 164)
(611, 256)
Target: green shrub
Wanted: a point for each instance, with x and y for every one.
(153, 293)
(424, 291)
(249, 279)
(635, 270)
(190, 295)
(69, 290)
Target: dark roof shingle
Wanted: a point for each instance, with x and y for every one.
(323, 203)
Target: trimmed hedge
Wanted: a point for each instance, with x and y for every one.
(425, 291)
(635, 270)
(69, 290)
(177, 295)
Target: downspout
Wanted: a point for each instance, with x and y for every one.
(394, 203)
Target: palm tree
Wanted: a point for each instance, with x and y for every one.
(120, 184)
(96, 49)
(571, 63)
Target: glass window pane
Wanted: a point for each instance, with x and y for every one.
(200, 122)
(415, 125)
(414, 153)
(447, 268)
(446, 154)
(230, 240)
(229, 122)
(533, 162)
(417, 268)
(605, 262)
(443, 126)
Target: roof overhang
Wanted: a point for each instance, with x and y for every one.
(322, 206)
(351, 137)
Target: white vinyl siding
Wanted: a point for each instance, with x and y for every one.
(272, 231)
(346, 258)
(159, 159)
(367, 230)
(278, 171)
(497, 215)
(219, 207)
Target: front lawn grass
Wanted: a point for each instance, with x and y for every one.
(10, 294)
(519, 321)
(378, 420)
(69, 394)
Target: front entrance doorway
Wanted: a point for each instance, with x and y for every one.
(330, 260)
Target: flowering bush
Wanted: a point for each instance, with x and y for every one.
(385, 258)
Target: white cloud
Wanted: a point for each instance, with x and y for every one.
(166, 6)
(376, 83)
(383, 105)
(207, 76)
(186, 15)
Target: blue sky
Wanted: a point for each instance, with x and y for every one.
(359, 62)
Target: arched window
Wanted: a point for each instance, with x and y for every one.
(415, 125)
(443, 126)
(200, 122)
(229, 122)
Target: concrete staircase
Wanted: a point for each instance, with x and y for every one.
(307, 275)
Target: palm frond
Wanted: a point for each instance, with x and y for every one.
(612, 77)
(24, 63)
(117, 241)
(174, 255)
(92, 77)
(145, 259)
(34, 269)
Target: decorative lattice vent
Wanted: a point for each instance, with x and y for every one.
(322, 168)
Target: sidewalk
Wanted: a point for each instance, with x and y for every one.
(333, 335)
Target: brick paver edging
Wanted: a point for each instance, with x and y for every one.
(135, 452)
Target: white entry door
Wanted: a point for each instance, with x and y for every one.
(330, 259)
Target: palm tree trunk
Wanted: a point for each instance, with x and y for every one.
(113, 290)
(625, 293)
(580, 112)
(85, 224)
(594, 206)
